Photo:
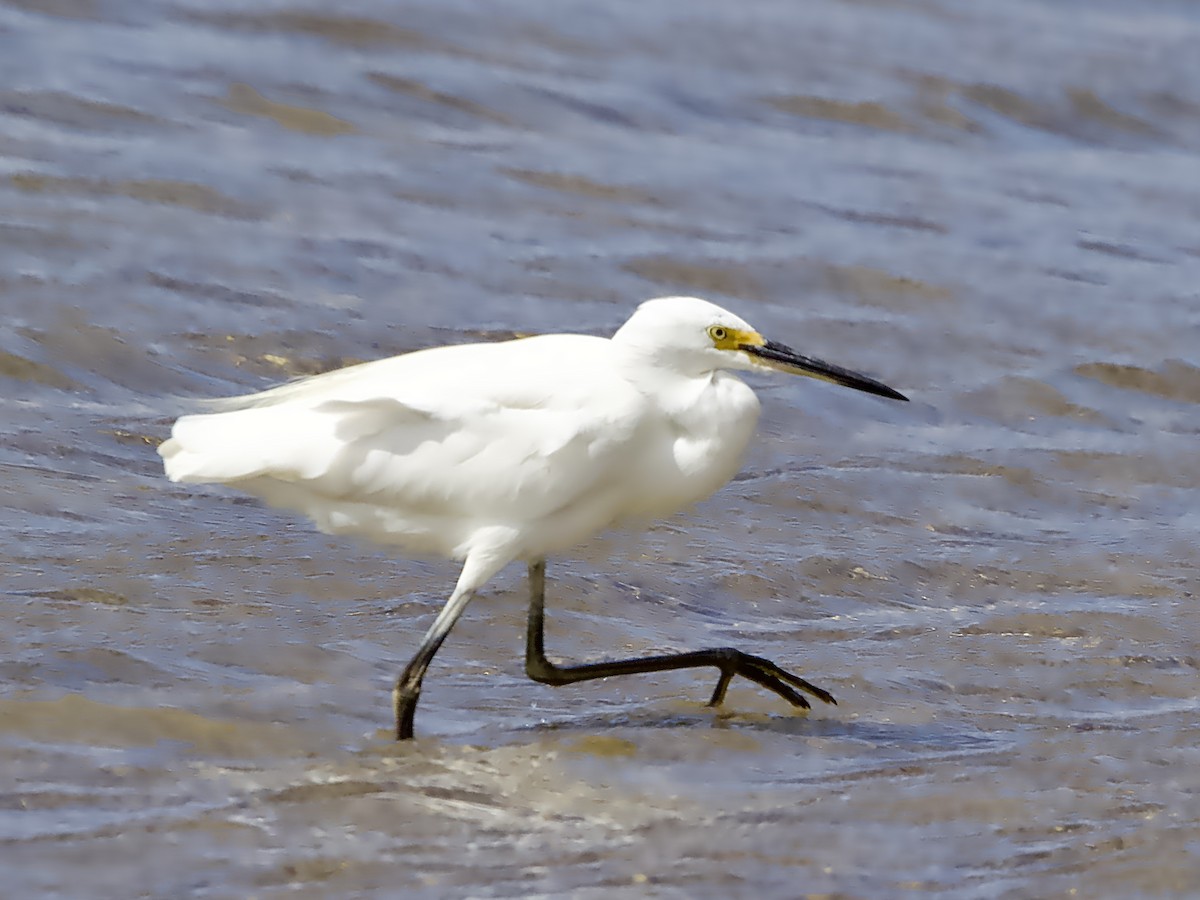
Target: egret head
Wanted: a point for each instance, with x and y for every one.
(696, 336)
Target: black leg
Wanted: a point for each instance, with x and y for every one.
(408, 686)
(728, 661)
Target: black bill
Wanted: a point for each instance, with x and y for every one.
(785, 359)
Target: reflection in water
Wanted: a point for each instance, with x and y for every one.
(997, 581)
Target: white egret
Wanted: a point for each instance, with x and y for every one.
(489, 453)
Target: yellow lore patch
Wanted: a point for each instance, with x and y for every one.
(733, 338)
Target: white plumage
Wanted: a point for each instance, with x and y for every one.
(520, 449)
(488, 453)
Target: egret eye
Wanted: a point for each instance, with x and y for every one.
(717, 333)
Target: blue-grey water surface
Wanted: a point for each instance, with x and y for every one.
(994, 207)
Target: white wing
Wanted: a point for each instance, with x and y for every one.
(496, 433)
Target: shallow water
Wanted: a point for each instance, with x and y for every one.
(993, 207)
